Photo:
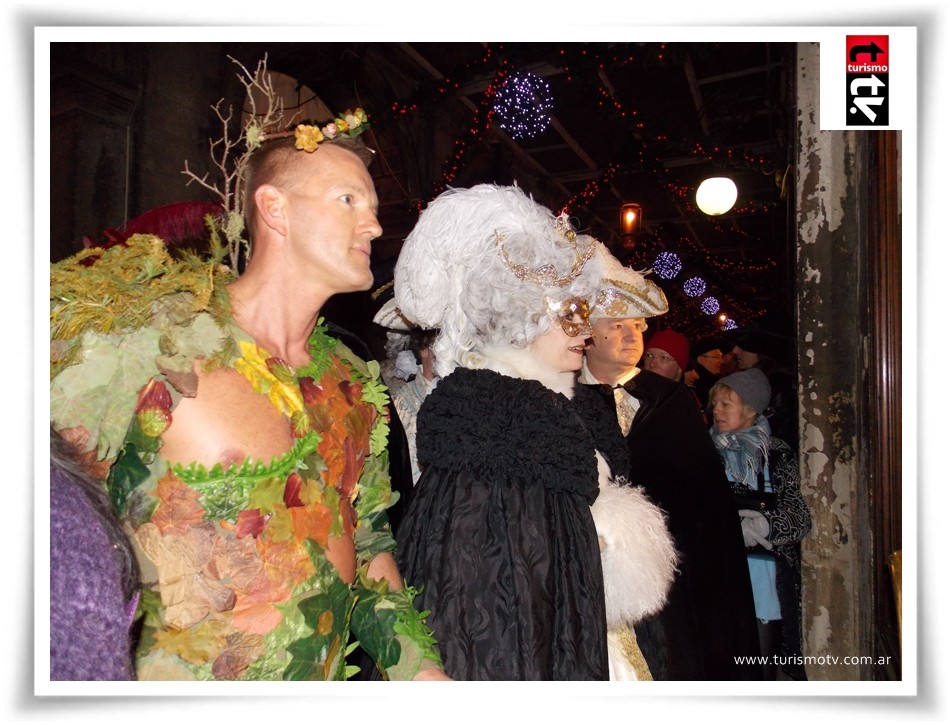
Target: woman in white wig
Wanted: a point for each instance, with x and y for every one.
(500, 535)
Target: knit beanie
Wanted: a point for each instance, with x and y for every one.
(673, 343)
(752, 386)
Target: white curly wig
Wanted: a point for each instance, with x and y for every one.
(451, 273)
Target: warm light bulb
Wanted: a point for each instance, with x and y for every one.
(716, 195)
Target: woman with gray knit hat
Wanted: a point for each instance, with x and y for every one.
(755, 460)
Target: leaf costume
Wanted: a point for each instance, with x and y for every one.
(236, 581)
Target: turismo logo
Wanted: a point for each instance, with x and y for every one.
(867, 77)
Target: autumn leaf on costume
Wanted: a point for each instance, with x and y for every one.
(312, 491)
(99, 392)
(279, 527)
(312, 522)
(79, 438)
(315, 393)
(348, 516)
(285, 561)
(352, 391)
(292, 490)
(241, 651)
(309, 390)
(285, 396)
(334, 458)
(237, 561)
(299, 424)
(280, 370)
(254, 611)
(361, 419)
(352, 465)
(125, 476)
(249, 523)
(154, 409)
(182, 344)
(196, 645)
(178, 507)
(188, 592)
(267, 494)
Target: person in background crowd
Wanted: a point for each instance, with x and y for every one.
(409, 397)
(729, 363)
(708, 621)
(708, 356)
(667, 354)
(756, 460)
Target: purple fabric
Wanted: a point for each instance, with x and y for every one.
(89, 619)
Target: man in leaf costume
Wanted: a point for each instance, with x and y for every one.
(242, 446)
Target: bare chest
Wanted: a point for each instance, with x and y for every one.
(226, 422)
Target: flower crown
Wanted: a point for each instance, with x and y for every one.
(307, 137)
(230, 155)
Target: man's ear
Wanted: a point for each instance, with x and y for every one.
(272, 207)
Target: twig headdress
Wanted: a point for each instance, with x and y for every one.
(264, 121)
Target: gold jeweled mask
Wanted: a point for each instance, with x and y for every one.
(566, 312)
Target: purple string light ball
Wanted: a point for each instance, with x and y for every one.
(523, 105)
(710, 306)
(694, 286)
(667, 265)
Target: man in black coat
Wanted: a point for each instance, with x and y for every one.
(709, 618)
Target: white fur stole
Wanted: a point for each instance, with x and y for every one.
(638, 554)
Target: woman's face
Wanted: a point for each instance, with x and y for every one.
(662, 363)
(562, 347)
(729, 413)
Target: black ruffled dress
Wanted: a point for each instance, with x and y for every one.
(499, 533)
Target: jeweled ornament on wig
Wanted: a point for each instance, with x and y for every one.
(523, 105)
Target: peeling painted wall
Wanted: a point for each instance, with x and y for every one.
(830, 313)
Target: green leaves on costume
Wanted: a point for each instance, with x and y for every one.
(101, 391)
(374, 620)
(126, 474)
(321, 656)
(410, 623)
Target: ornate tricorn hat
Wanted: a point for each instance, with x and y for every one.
(624, 292)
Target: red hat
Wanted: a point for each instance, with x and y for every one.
(673, 343)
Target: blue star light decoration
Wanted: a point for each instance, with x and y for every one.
(667, 265)
(694, 286)
(710, 306)
(523, 105)
(729, 324)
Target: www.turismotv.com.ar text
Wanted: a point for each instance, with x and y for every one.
(815, 660)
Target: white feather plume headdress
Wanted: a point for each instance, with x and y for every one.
(479, 264)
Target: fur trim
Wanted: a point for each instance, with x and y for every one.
(521, 363)
(638, 554)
